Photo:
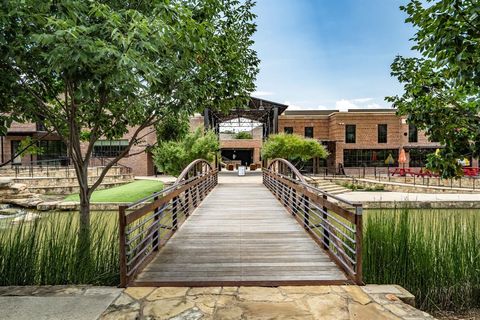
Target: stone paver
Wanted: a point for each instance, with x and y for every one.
(182, 303)
(289, 302)
(59, 302)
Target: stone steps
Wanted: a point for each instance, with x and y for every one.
(51, 172)
(69, 189)
(39, 182)
(327, 186)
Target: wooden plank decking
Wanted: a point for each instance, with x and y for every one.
(240, 235)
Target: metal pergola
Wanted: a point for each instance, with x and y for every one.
(258, 110)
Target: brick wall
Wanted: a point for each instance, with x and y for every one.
(255, 144)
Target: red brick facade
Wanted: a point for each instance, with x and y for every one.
(328, 127)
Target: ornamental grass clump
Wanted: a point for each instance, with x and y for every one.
(435, 254)
(46, 251)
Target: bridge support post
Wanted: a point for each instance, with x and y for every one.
(294, 202)
(358, 245)
(306, 217)
(326, 234)
(123, 252)
(156, 215)
(175, 213)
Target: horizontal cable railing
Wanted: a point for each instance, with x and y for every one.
(63, 165)
(334, 223)
(146, 225)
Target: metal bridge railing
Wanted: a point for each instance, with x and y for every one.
(147, 224)
(334, 223)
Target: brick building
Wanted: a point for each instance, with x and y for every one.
(355, 139)
(359, 137)
(55, 151)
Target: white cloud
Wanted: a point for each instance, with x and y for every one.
(361, 103)
(261, 93)
(361, 100)
(375, 106)
(342, 105)
(345, 104)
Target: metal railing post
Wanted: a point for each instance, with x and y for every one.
(123, 251)
(306, 217)
(358, 245)
(174, 213)
(326, 234)
(156, 220)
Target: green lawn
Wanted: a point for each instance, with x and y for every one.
(129, 192)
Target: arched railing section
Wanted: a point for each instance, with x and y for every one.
(148, 224)
(334, 223)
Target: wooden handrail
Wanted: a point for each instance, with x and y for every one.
(143, 230)
(337, 227)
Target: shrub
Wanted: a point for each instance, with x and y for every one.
(173, 156)
(293, 148)
(243, 135)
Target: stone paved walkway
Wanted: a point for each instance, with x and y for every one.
(289, 303)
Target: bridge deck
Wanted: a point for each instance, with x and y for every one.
(240, 235)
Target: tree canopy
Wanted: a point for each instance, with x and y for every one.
(441, 85)
(173, 156)
(95, 69)
(293, 148)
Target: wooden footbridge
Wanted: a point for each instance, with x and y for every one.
(204, 232)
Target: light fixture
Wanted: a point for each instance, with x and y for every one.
(261, 106)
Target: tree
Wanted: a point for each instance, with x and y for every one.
(292, 147)
(173, 156)
(441, 87)
(172, 127)
(94, 69)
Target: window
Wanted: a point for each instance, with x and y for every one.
(15, 145)
(412, 133)
(382, 133)
(350, 133)
(109, 148)
(52, 150)
(418, 157)
(288, 130)
(41, 126)
(369, 157)
(308, 132)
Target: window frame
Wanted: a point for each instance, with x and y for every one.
(305, 132)
(288, 130)
(412, 133)
(382, 136)
(347, 140)
(100, 148)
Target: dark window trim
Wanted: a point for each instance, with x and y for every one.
(354, 139)
(109, 148)
(368, 157)
(382, 136)
(412, 133)
(288, 130)
(308, 135)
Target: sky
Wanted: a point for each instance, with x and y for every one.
(329, 54)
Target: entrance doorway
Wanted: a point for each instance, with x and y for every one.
(241, 156)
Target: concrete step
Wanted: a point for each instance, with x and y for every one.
(69, 189)
(65, 172)
(71, 181)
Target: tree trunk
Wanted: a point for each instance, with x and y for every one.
(84, 210)
(84, 236)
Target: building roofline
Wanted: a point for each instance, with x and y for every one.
(309, 112)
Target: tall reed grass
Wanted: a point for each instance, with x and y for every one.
(47, 251)
(435, 254)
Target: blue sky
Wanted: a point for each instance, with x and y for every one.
(329, 54)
